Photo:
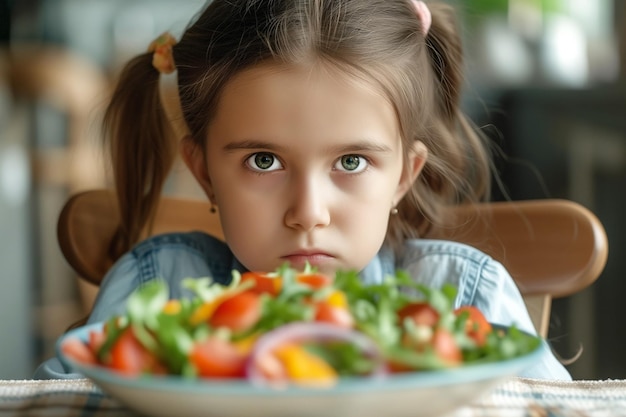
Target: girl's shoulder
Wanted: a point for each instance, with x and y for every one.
(199, 242)
(436, 262)
(191, 253)
(170, 257)
(416, 250)
(173, 257)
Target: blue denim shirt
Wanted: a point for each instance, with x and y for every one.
(481, 281)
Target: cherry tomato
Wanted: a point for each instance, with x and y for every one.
(239, 312)
(326, 312)
(477, 327)
(129, 357)
(218, 358)
(421, 313)
(79, 351)
(446, 347)
(263, 283)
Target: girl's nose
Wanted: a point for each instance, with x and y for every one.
(308, 208)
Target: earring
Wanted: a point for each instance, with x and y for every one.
(213, 208)
(394, 211)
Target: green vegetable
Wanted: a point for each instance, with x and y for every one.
(170, 335)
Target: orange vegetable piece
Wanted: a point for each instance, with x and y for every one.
(304, 367)
(172, 307)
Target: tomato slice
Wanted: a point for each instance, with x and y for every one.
(446, 347)
(96, 340)
(269, 284)
(238, 313)
(315, 281)
(263, 283)
(397, 367)
(129, 357)
(218, 358)
(421, 313)
(79, 351)
(476, 327)
(328, 313)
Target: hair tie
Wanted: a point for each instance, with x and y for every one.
(162, 56)
(423, 14)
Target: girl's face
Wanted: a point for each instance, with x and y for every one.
(304, 166)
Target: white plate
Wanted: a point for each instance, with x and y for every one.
(418, 394)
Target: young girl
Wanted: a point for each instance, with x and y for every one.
(324, 131)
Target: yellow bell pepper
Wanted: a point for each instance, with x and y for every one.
(337, 299)
(305, 368)
(172, 307)
(204, 312)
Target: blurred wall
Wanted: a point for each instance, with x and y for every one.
(15, 228)
(55, 76)
(547, 83)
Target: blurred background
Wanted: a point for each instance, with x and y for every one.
(546, 79)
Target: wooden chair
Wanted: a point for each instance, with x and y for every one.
(552, 248)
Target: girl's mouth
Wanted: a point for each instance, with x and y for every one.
(313, 258)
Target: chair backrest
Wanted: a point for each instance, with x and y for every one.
(552, 248)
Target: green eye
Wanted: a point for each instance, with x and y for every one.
(264, 160)
(350, 162)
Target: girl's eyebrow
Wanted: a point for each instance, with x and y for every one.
(251, 144)
(362, 145)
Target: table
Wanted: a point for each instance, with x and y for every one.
(514, 398)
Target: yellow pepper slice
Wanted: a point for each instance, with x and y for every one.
(304, 367)
(337, 299)
(172, 307)
(204, 312)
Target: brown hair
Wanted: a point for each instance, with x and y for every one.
(378, 40)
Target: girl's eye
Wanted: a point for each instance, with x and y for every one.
(351, 163)
(263, 161)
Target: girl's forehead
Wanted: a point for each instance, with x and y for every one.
(313, 102)
(303, 76)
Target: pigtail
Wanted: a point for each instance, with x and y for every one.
(463, 146)
(458, 168)
(142, 151)
(472, 165)
(446, 56)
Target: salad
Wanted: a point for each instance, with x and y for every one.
(295, 327)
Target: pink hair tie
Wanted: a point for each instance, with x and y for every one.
(423, 14)
(162, 56)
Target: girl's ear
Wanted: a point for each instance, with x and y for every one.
(417, 158)
(193, 156)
